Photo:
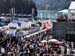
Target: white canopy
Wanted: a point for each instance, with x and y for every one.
(53, 40)
(64, 11)
(25, 24)
(13, 24)
(43, 41)
(72, 5)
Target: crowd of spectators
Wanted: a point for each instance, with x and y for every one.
(31, 46)
(19, 45)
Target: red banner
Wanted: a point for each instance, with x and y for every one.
(48, 25)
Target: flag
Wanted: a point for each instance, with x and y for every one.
(48, 25)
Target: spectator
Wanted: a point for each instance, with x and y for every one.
(26, 50)
(2, 50)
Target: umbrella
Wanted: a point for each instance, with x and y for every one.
(53, 40)
(43, 41)
(59, 42)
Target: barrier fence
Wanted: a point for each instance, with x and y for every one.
(36, 33)
(32, 54)
(58, 54)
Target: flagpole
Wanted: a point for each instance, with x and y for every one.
(41, 16)
(12, 12)
(33, 15)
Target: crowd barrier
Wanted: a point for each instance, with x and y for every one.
(36, 33)
(37, 54)
(29, 35)
(58, 54)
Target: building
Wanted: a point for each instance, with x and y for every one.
(72, 7)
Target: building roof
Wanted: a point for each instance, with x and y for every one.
(72, 5)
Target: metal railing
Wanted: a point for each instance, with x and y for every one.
(58, 54)
(33, 54)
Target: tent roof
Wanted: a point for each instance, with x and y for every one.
(72, 5)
